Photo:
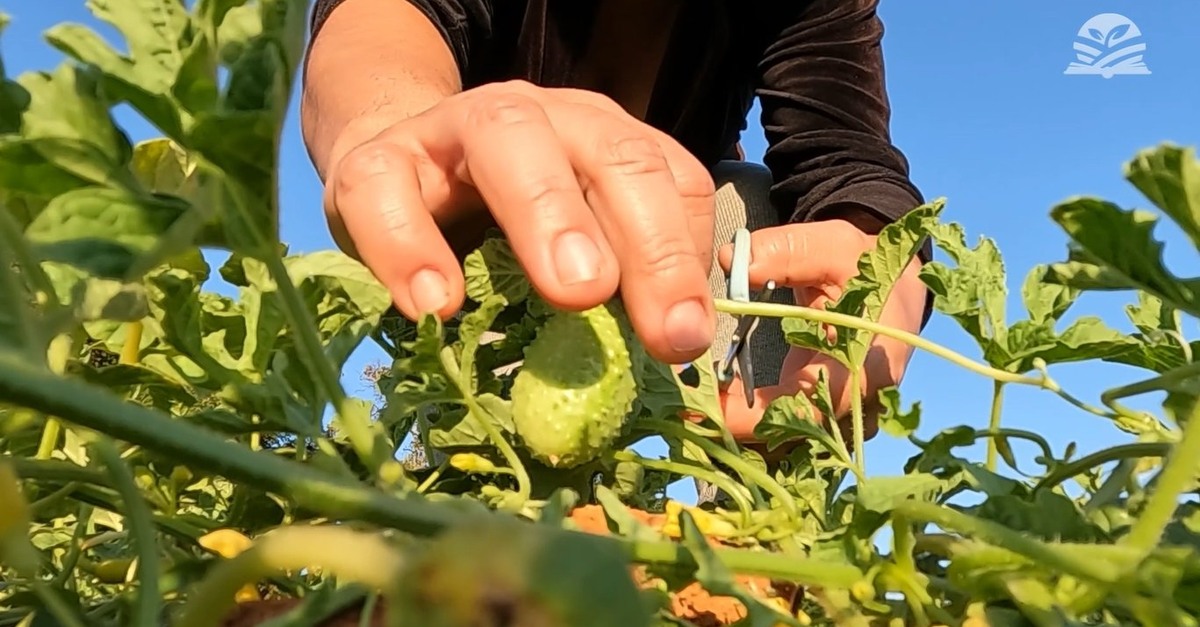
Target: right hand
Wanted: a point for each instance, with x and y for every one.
(590, 198)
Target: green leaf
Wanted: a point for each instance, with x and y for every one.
(1159, 344)
(69, 124)
(1117, 250)
(470, 332)
(18, 331)
(1087, 338)
(894, 420)
(170, 71)
(238, 26)
(103, 230)
(865, 294)
(24, 170)
(1046, 302)
(791, 418)
(1046, 515)
(973, 292)
(1170, 177)
(94, 298)
(882, 494)
(493, 269)
(153, 31)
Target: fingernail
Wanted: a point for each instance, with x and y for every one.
(430, 291)
(576, 258)
(687, 327)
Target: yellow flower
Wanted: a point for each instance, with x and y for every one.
(229, 543)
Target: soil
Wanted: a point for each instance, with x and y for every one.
(692, 603)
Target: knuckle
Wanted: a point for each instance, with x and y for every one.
(694, 182)
(598, 100)
(365, 162)
(661, 255)
(505, 108)
(545, 195)
(632, 154)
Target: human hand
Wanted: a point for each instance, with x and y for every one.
(590, 198)
(816, 260)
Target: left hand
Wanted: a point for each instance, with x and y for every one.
(816, 260)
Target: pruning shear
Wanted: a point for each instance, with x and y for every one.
(739, 345)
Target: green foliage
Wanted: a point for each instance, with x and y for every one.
(146, 420)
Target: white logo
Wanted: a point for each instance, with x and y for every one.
(1108, 44)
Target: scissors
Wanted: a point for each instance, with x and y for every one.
(739, 345)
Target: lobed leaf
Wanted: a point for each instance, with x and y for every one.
(1116, 250)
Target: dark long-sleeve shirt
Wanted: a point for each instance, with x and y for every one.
(815, 65)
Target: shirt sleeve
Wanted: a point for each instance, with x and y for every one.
(460, 22)
(826, 115)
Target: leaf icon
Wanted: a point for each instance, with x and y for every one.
(1116, 33)
(1096, 34)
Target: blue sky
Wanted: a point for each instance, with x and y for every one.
(987, 119)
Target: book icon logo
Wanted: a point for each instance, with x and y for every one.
(1108, 45)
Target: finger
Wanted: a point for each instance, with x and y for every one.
(514, 157)
(626, 179)
(376, 194)
(810, 253)
(693, 181)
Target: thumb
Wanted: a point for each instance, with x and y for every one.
(809, 253)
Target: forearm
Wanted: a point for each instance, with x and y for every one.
(371, 64)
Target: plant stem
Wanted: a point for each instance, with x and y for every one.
(57, 470)
(358, 431)
(482, 416)
(778, 310)
(1112, 454)
(334, 496)
(748, 472)
(97, 409)
(1162, 382)
(1176, 476)
(733, 489)
(433, 476)
(856, 423)
(351, 555)
(775, 565)
(59, 609)
(141, 525)
(57, 356)
(1075, 563)
(994, 423)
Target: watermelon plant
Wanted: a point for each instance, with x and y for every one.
(178, 456)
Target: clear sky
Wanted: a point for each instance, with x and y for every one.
(986, 117)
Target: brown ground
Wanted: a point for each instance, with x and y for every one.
(692, 603)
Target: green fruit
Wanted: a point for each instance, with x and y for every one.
(573, 393)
